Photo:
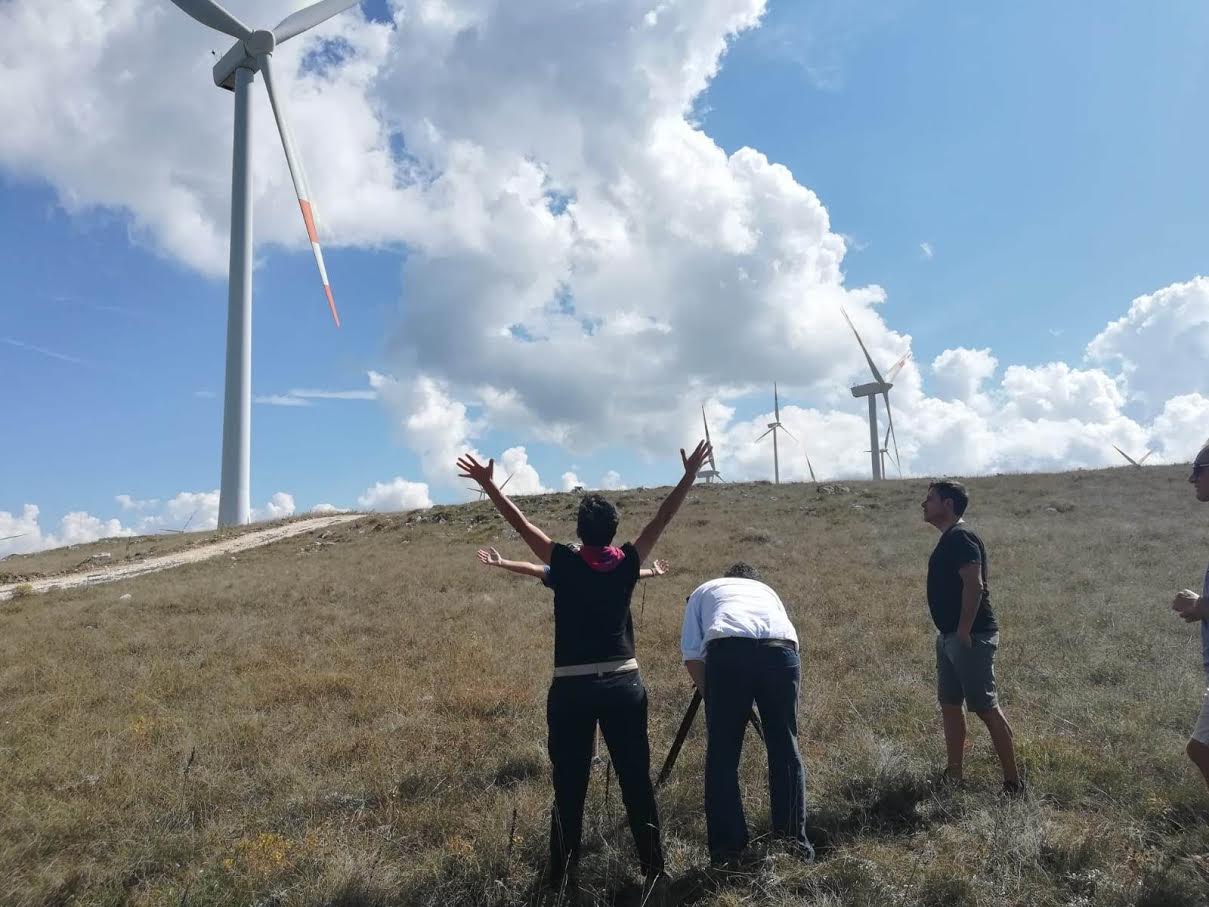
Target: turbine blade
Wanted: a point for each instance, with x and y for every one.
(1144, 456)
(893, 437)
(897, 367)
(776, 402)
(877, 376)
(1125, 455)
(765, 435)
(207, 12)
(297, 23)
(506, 481)
(787, 431)
(811, 468)
(712, 464)
(299, 178)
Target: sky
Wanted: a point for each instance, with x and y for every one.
(556, 231)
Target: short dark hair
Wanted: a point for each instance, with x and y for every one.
(742, 570)
(950, 490)
(597, 520)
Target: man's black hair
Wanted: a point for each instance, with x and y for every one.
(597, 521)
(949, 490)
(742, 570)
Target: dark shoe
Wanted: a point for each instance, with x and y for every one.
(656, 890)
(560, 891)
(946, 779)
(743, 863)
(799, 851)
(1014, 790)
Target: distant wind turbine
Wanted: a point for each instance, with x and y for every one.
(773, 428)
(1138, 463)
(712, 473)
(19, 535)
(483, 494)
(882, 386)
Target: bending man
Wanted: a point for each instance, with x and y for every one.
(739, 647)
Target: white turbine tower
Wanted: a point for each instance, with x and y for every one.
(773, 428)
(1138, 463)
(252, 53)
(712, 473)
(882, 386)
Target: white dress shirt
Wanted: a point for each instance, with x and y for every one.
(730, 606)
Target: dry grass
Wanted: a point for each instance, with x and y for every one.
(355, 724)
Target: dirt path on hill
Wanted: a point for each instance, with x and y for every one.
(179, 558)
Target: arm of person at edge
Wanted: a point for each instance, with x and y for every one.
(656, 569)
(645, 542)
(491, 558)
(971, 599)
(538, 542)
(1191, 606)
(696, 670)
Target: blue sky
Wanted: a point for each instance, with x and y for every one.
(1049, 156)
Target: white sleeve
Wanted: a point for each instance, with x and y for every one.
(692, 635)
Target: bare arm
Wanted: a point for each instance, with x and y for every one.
(696, 670)
(971, 599)
(659, 568)
(491, 558)
(538, 542)
(645, 542)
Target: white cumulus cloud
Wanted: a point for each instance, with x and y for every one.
(397, 494)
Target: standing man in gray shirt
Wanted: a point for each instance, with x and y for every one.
(1195, 609)
(967, 634)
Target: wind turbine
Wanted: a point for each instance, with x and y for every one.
(773, 428)
(1138, 463)
(483, 494)
(19, 535)
(252, 53)
(882, 386)
(712, 473)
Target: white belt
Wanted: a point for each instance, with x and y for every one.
(598, 668)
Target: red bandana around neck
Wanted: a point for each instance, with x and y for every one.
(602, 558)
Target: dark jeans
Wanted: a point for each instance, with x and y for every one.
(737, 673)
(574, 705)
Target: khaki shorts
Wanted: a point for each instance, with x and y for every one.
(1201, 732)
(967, 674)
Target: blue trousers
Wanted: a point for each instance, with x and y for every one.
(738, 673)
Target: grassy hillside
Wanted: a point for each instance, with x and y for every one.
(16, 568)
(356, 723)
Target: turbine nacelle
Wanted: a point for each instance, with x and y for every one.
(868, 390)
(242, 55)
